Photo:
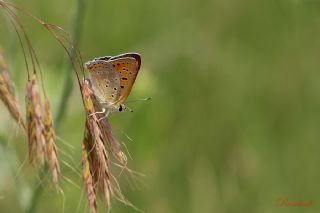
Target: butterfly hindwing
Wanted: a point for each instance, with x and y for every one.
(105, 80)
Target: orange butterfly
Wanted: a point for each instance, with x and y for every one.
(112, 78)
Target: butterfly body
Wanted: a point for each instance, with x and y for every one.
(112, 78)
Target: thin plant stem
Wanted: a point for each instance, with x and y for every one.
(68, 85)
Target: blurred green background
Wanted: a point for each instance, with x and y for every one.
(233, 124)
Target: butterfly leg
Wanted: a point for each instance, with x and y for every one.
(102, 112)
(105, 116)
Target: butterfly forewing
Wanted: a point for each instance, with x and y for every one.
(129, 55)
(104, 58)
(105, 80)
(128, 70)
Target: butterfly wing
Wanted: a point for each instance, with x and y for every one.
(128, 55)
(105, 80)
(127, 68)
(104, 58)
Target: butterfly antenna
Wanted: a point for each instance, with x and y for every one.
(129, 109)
(142, 99)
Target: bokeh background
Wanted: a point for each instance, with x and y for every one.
(233, 124)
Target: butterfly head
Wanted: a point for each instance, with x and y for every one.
(114, 108)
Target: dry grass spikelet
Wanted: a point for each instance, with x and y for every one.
(51, 146)
(92, 105)
(6, 92)
(35, 126)
(86, 173)
(87, 95)
(113, 142)
(98, 160)
(4, 70)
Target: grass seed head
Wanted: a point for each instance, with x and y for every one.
(87, 97)
(51, 146)
(7, 94)
(98, 136)
(36, 138)
(87, 176)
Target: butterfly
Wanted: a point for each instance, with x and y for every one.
(112, 78)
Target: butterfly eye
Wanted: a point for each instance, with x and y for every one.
(120, 108)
